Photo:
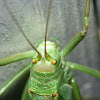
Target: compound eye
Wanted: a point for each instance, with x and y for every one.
(53, 62)
(34, 61)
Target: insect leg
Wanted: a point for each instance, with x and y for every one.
(79, 36)
(25, 92)
(70, 79)
(84, 69)
(65, 92)
(76, 91)
(17, 57)
(15, 77)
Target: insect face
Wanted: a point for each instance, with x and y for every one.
(44, 64)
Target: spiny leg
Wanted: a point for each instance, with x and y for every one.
(84, 69)
(16, 57)
(15, 77)
(79, 36)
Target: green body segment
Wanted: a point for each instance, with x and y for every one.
(46, 88)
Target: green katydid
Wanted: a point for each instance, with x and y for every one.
(46, 63)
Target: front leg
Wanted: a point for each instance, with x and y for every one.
(73, 81)
(16, 57)
(79, 36)
(14, 78)
(87, 70)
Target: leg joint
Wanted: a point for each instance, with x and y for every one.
(83, 33)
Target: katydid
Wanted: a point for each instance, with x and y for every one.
(50, 75)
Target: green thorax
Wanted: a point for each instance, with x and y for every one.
(46, 77)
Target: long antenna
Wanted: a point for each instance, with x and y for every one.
(47, 21)
(19, 27)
